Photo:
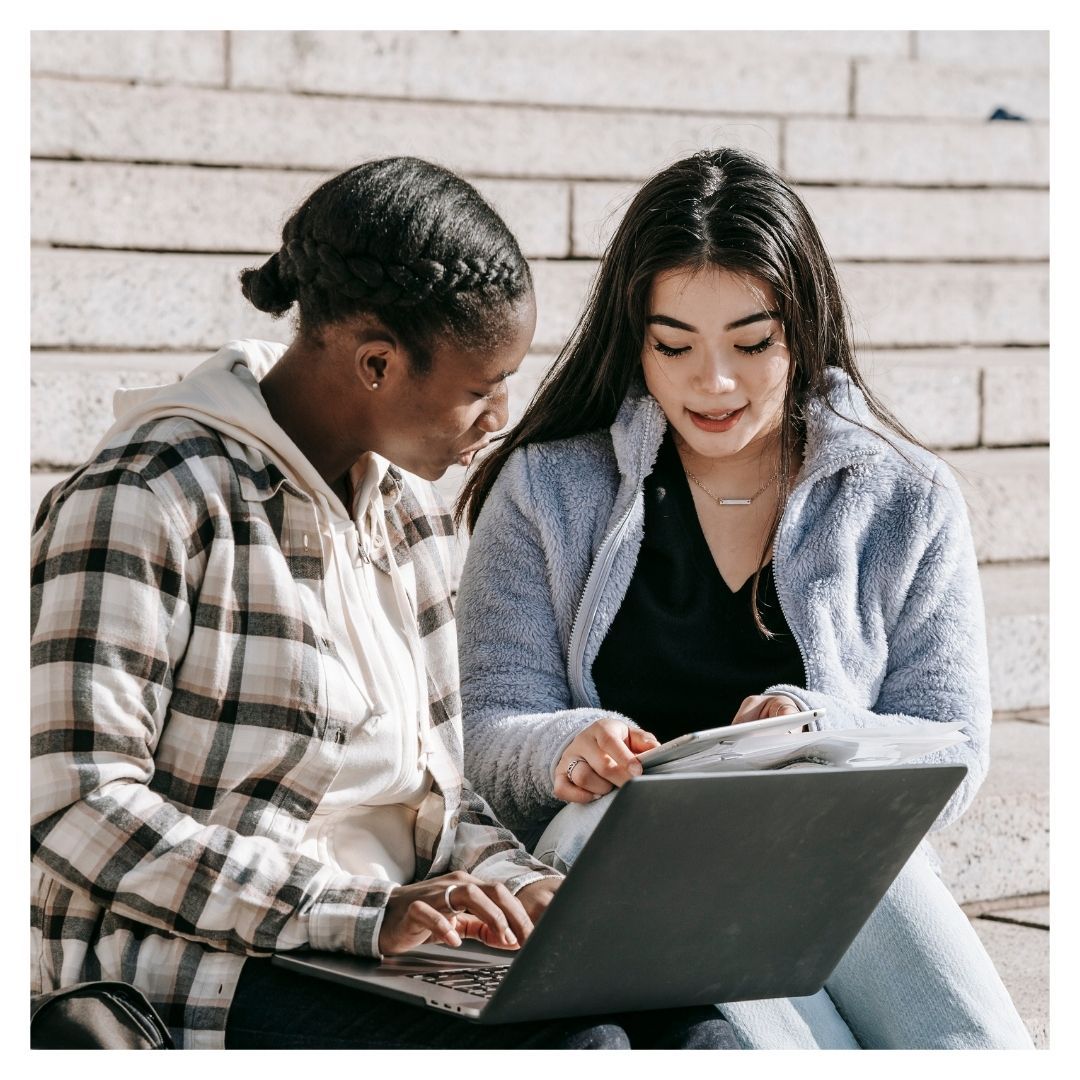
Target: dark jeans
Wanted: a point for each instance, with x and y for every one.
(276, 1009)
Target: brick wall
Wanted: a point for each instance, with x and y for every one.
(165, 162)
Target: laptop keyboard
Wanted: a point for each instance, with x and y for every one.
(482, 982)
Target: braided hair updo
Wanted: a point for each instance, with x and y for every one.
(406, 241)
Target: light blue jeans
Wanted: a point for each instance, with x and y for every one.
(915, 977)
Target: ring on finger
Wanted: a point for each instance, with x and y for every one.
(571, 767)
(449, 903)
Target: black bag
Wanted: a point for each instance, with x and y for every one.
(96, 1016)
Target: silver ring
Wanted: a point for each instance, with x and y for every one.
(571, 767)
(446, 900)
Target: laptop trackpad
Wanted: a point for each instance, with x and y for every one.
(469, 952)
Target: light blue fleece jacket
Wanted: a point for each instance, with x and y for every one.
(873, 562)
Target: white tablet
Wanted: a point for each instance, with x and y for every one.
(696, 741)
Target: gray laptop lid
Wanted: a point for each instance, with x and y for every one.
(707, 888)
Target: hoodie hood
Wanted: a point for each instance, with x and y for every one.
(223, 393)
(219, 386)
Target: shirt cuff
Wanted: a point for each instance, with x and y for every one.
(348, 916)
(515, 885)
(514, 870)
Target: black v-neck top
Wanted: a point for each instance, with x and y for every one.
(683, 651)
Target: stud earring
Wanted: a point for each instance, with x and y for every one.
(374, 386)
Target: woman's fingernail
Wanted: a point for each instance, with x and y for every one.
(508, 937)
(454, 938)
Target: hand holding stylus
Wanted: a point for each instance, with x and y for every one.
(760, 706)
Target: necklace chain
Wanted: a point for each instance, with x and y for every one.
(732, 502)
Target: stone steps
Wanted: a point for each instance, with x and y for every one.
(560, 68)
(995, 860)
(101, 300)
(1018, 941)
(1018, 634)
(1000, 847)
(175, 207)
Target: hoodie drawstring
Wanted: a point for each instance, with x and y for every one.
(407, 612)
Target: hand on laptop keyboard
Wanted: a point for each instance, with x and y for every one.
(448, 908)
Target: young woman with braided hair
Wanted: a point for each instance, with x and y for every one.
(705, 517)
(246, 724)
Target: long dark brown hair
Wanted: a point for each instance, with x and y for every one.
(723, 208)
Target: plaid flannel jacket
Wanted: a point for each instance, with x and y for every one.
(181, 736)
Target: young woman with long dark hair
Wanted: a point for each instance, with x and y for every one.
(246, 732)
(705, 517)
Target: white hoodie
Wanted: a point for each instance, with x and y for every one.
(364, 825)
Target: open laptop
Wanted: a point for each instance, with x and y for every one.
(693, 889)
